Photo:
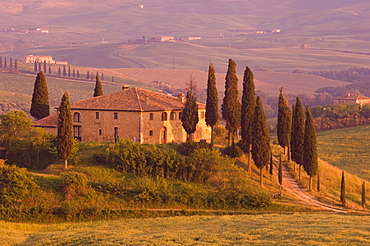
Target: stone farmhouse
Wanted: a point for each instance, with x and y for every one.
(351, 99)
(143, 116)
(33, 59)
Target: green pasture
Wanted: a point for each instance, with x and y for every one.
(263, 229)
(347, 149)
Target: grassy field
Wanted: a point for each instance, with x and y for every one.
(265, 229)
(347, 149)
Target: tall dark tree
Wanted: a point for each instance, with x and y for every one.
(73, 73)
(40, 106)
(297, 142)
(45, 66)
(310, 157)
(65, 131)
(16, 64)
(11, 62)
(112, 78)
(49, 69)
(98, 91)
(247, 112)
(260, 139)
(212, 101)
(40, 67)
(231, 106)
(343, 190)
(69, 71)
(5, 64)
(271, 169)
(78, 74)
(64, 71)
(59, 71)
(189, 116)
(102, 76)
(87, 75)
(280, 174)
(284, 126)
(35, 67)
(1, 61)
(363, 196)
(318, 182)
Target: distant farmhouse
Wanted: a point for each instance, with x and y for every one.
(140, 115)
(351, 99)
(41, 59)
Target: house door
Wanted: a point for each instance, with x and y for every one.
(164, 135)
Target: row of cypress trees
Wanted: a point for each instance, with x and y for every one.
(4, 64)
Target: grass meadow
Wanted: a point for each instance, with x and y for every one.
(261, 229)
(348, 149)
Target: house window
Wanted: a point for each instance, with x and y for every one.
(173, 116)
(97, 115)
(100, 132)
(76, 117)
(116, 137)
(115, 116)
(202, 114)
(151, 133)
(151, 116)
(77, 132)
(164, 116)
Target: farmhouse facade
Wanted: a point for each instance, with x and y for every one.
(33, 59)
(351, 99)
(140, 115)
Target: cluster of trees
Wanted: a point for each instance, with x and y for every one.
(340, 116)
(12, 65)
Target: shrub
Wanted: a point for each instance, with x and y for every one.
(74, 183)
(16, 185)
(233, 151)
(189, 147)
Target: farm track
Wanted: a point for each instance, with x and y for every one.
(130, 62)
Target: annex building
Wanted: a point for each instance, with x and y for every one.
(143, 116)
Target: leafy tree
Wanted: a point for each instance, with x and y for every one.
(363, 196)
(343, 191)
(40, 107)
(14, 125)
(212, 101)
(260, 139)
(231, 105)
(247, 112)
(297, 143)
(284, 126)
(189, 116)
(98, 91)
(65, 134)
(310, 157)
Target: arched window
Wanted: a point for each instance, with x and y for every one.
(173, 116)
(164, 116)
(76, 117)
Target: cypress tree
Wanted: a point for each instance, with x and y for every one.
(189, 116)
(271, 169)
(40, 107)
(280, 175)
(88, 75)
(102, 76)
(343, 191)
(40, 67)
(64, 71)
(363, 196)
(73, 73)
(5, 64)
(310, 158)
(318, 182)
(65, 131)
(247, 112)
(298, 130)
(49, 69)
(212, 101)
(260, 139)
(231, 106)
(35, 67)
(69, 71)
(112, 78)
(16, 64)
(98, 91)
(1, 61)
(78, 74)
(45, 67)
(11, 62)
(59, 71)
(284, 126)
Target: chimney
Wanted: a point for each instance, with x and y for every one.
(125, 87)
(181, 98)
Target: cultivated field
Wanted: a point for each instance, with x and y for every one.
(264, 229)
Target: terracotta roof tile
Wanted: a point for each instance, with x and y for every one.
(48, 121)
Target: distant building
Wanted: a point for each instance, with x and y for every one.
(33, 59)
(351, 99)
(140, 115)
(194, 38)
(163, 38)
